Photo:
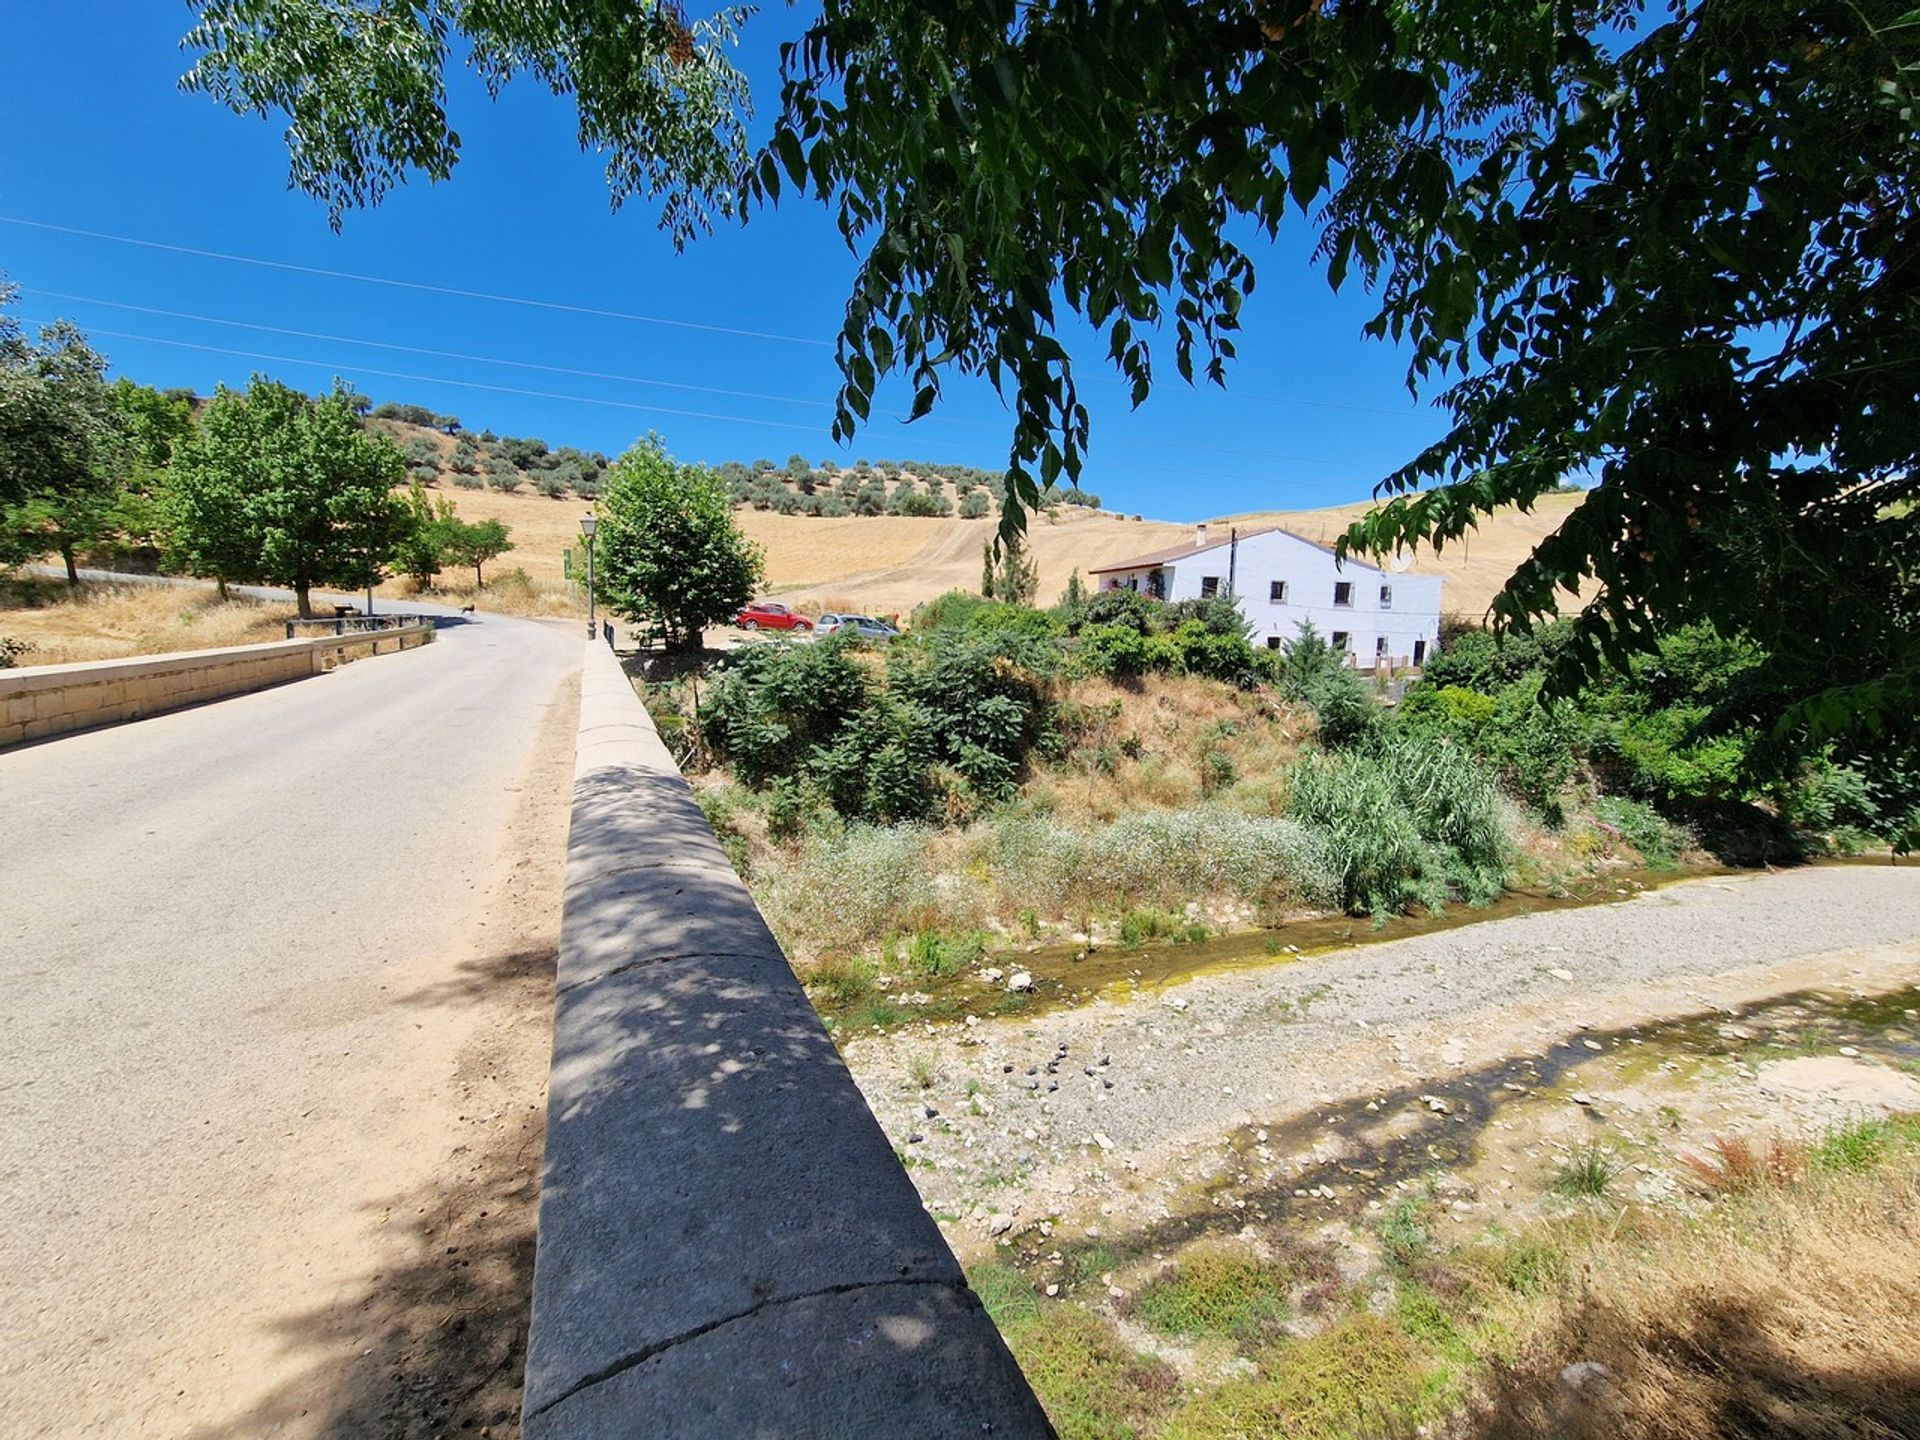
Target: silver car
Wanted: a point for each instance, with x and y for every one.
(864, 627)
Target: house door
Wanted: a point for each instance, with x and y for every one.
(1419, 651)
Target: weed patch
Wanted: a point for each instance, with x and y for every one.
(1217, 1293)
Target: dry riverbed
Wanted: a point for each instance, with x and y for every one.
(1463, 1076)
(1158, 1073)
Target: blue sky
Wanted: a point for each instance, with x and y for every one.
(98, 138)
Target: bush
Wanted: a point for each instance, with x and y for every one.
(1404, 822)
(850, 891)
(1128, 608)
(1119, 651)
(775, 706)
(1659, 841)
(960, 610)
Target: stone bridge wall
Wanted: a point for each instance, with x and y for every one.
(728, 1245)
(45, 700)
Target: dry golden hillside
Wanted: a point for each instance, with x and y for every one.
(887, 564)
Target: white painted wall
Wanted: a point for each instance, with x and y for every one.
(1411, 616)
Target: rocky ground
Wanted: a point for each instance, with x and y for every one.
(1485, 1054)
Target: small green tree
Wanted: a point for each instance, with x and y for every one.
(1074, 600)
(281, 487)
(476, 543)
(422, 547)
(670, 554)
(1009, 573)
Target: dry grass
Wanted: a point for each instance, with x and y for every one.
(887, 564)
(1148, 747)
(1737, 1163)
(1789, 1311)
(111, 622)
(508, 591)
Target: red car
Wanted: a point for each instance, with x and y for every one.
(765, 615)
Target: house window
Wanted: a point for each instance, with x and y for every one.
(1343, 592)
(1209, 587)
(1386, 597)
(1273, 642)
(1380, 648)
(1341, 639)
(1419, 652)
(1277, 592)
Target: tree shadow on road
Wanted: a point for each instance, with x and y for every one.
(434, 1344)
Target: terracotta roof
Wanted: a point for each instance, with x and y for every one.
(1182, 552)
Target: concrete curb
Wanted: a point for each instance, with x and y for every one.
(40, 701)
(728, 1245)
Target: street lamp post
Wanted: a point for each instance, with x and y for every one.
(590, 522)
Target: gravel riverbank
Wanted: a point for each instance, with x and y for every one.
(1106, 1107)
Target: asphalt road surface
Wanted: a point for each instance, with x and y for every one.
(209, 924)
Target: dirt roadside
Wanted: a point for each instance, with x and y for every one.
(414, 1324)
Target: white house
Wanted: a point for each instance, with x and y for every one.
(1280, 580)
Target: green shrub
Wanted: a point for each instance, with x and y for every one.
(1658, 839)
(844, 892)
(775, 706)
(1128, 609)
(1119, 651)
(932, 954)
(1403, 821)
(1309, 670)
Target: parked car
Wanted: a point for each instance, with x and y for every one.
(863, 626)
(766, 615)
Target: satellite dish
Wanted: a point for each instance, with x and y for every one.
(1400, 562)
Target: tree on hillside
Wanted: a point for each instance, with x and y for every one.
(64, 444)
(1009, 573)
(671, 556)
(476, 542)
(423, 542)
(156, 420)
(501, 474)
(280, 487)
(1666, 247)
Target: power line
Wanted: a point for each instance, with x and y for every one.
(586, 310)
(420, 350)
(418, 285)
(1182, 448)
(340, 368)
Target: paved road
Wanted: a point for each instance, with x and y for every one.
(204, 921)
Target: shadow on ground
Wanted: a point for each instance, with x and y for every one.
(436, 1344)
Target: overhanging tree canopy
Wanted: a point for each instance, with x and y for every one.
(1671, 250)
